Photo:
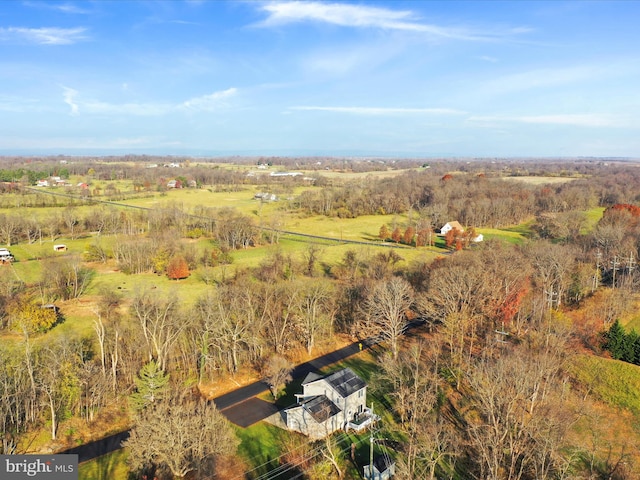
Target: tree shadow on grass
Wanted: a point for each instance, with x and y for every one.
(105, 467)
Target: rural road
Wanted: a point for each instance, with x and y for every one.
(239, 406)
(242, 408)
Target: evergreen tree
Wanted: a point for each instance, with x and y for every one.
(615, 340)
(636, 350)
(628, 349)
(151, 384)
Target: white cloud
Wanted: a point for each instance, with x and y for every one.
(209, 102)
(69, 95)
(44, 36)
(381, 110)
(205, 103)
(137, 109)
(360, 16)
(61, 7)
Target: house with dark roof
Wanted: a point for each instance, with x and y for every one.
(329, 403)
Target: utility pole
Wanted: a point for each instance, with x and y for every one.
(614, 266)
(501, 335)
(371, 449)
(551, 294)
(596, 275)
(631, 263)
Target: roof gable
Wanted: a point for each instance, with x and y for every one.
(320, 408)
(455, 225)
(311, 377)
(345, 382)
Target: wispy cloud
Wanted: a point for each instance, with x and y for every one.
(209, 102)
(381, 110)
(69, 95)
(131, 108)
(576, 120)
(204, 103)
(60, 7)
(361, 16)
(44, 36)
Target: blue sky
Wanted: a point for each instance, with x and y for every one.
(388, 78)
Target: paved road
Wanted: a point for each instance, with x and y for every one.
(242, 408)
(239, 406)
(250, 411)
(242, 394)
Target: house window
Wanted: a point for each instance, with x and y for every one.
(360, 393)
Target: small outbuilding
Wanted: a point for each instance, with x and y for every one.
(60, 248)
(383, 468)
(5, 256)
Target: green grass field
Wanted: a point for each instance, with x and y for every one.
(261, 446)
(514, 235)
(111, 466)
(592, 217)
(614, 381)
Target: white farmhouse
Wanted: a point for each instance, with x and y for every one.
(455, 225)
(326, 404)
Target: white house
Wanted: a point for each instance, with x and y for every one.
(5, 256)
(326, 404)
(285, 174)
(451, 226)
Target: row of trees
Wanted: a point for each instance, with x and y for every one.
(622, 345)
(480, 200)
(420, 237)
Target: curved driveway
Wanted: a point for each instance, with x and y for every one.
(239, 406)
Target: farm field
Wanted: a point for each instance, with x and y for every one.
(340, 259)
(541, 180)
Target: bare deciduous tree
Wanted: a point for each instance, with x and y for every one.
(385, 309)
(315, 311)
(413, 381)
(510, 428)
(180, 434)
(277, 373)
(160, 321)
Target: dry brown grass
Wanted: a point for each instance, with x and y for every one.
(608, 434)
(541, 180)
(348, 175)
